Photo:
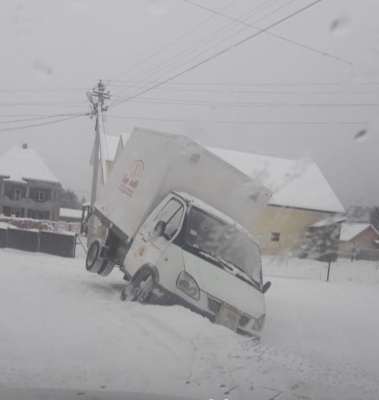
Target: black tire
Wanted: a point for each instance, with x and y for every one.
(140, 289)
(106, 268)
(92, 260)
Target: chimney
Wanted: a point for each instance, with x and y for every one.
(24, 145)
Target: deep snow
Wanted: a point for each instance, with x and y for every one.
(63, 327)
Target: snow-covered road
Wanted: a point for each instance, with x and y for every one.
(63, 327)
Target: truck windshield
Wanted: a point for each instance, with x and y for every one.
(223, 241)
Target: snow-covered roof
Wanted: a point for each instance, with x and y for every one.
(125, 137)
(70, 213)
(298, 184)
(328, 221)
(111, 143)
(19, 165)
(350, 231)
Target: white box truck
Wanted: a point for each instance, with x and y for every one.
(178, 221)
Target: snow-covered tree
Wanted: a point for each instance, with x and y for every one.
(374, 217)
(69, 199)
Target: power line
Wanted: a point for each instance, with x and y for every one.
(43, 90)
(44, 104)
(238, 122)
(212, 57)
(307, 92)
(252, 83)
(323, 53)
(215, 45)
(30, 115)
(187, 33)
(41, 124)
(182, 102)
(203, 43)
(36, 118)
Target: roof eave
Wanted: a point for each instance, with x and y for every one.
(340, 211)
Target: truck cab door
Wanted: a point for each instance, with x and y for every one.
(161, 229)
(156, 234)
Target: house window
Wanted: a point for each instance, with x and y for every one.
(275, 236)
(31, 214)
(39, 195)
(16, 212)
(35, 214)
(17, 194)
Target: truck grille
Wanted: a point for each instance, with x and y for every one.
(215, 305)
(244, 320)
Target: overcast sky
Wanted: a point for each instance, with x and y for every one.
(267, 96)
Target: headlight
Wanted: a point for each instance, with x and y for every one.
(188, 285)
(258, 323)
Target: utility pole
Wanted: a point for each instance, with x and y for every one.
(98, 108)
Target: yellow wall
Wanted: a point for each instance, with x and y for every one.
(290, 223)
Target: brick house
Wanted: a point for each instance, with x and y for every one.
(357, 238)
(28, 189)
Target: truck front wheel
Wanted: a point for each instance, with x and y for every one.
(140, 289)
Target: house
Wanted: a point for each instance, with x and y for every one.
(357, 238)
(301, 198)
(28, 189)
(111, 147)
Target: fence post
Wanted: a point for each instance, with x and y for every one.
(330, 262)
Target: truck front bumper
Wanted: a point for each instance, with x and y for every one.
(168, 298)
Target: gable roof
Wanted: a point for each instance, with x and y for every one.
(19, 165)
(111, 145)
(335, 219)
(350, 231)
(297, 184)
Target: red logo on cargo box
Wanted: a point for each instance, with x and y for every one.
(132, 178)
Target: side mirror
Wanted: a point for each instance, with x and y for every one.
(266, 287)
(160, 228)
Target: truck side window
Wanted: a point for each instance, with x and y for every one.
(173, 224)
(171, 214)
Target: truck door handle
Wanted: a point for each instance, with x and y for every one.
(144, 240)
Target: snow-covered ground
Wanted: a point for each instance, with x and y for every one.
(65, 328)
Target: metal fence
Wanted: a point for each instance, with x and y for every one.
(57, 243)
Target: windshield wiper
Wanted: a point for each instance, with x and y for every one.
(231, 267)
(216, 259)
(242, 276)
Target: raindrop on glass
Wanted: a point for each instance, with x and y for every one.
(341, 27)
(361, 136)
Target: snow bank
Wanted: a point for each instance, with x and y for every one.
(63, 327)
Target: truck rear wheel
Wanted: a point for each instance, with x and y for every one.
(140, 289)
(93, 263)
(106, 268)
